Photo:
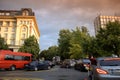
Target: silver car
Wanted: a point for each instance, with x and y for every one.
(105, 69)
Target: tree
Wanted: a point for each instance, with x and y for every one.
(79, 43)
(75, 43)
(64, 43)
(31, 46)
(3, 44)
(49, 53)
(108, 39)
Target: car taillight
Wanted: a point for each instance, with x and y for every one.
(101, 71)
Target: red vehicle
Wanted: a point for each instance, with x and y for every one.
(13, 60)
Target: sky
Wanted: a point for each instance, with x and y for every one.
(55, 15)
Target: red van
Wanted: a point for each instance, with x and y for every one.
(13, 60)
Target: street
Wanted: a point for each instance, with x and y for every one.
(55, 73)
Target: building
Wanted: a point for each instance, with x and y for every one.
(101, 21)
(17, 25)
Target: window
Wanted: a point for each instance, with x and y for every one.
(21, 22)
(25, 13)
(23, 35)
(27, 58)
(18, 58)
(12, 41)
(1, 13)
(7, 23)
(12, 36)
(110, 62)
(1, 23)
(22, 42)
(13, 29)
(7, 14)
(5, 35)
(24, 29)
(9, 57)
(6, 29)
(14, 23)
(24, 22)
(28, 22)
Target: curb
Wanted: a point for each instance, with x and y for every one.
(18, 78)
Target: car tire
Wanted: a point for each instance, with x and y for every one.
(35, 69)
(92, 77)
(49, 67)
(89, 77)
(12, 68)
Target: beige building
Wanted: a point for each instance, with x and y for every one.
(17, 25)
(101, 21)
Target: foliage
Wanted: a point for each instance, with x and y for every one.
(79, 43)
(50, 53)
(76, 51)
(3, 44)
(108, 39)
(74, 43)
(64, 43)
(31, 46)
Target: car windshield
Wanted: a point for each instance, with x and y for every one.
(86, 61)
(110, 62)
(33, 63)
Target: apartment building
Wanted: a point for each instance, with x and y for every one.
(17, 25)
(101, 21)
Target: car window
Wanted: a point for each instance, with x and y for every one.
(110, 62)
(41, 62)
(46, 62)
(33, 63)
(86, 61)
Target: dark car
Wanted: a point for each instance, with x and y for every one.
(82, 64)
(107, 68)
(52, 64)
(38, 65)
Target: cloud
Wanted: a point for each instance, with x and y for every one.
(54, 15)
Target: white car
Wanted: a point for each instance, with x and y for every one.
(105, 69)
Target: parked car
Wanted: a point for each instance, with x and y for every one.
(67, 63)
(52, 64)
(38, 65)
(105, 69)
(82, 65)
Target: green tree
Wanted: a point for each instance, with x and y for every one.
(43, 54)
(31, 46)
(3, 44)
(94, 48)
(76, 51)
(108, 39)
(49, 53)
(79, 43)
(64, 43)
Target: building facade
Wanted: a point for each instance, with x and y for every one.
(101, 21)
(17, 25)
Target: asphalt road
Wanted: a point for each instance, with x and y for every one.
(55, 73)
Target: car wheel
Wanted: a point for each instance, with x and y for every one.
(35, 69)
(67, 66)
(12, 68)
(49, 67)
(92, 77)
